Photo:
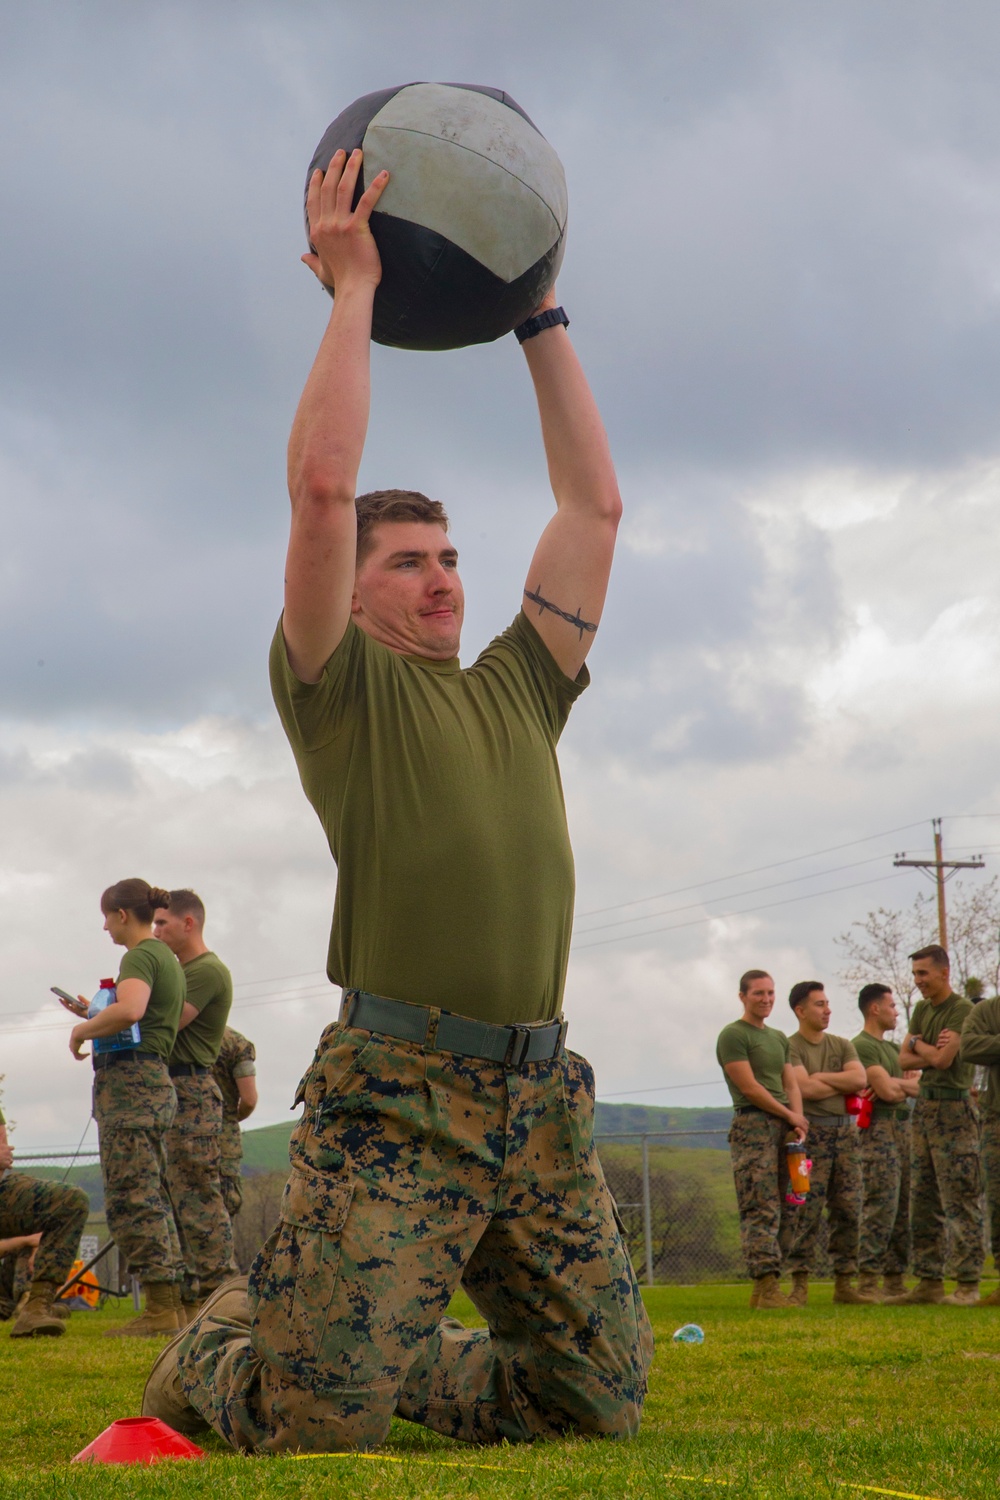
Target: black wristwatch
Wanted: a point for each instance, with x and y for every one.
(547, 319)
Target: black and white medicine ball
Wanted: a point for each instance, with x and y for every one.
(471, 226)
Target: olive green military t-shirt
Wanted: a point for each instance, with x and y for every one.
(981, 1047)
(928, 1021)
(210, 991)
(830, 1055)
(438, 789)
(764, 1048)
(153, 963)
(881, 1054)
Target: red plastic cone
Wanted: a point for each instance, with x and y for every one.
(137, 1440)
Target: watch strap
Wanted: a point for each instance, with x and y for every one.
(547, 319)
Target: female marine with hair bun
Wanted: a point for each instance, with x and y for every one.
(135, 1101)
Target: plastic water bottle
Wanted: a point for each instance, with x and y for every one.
(689, 1334)
(122, 1041)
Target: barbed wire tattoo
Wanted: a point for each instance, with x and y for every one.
(575, 620)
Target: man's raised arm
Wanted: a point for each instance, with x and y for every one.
(568, 577)
(328, 434)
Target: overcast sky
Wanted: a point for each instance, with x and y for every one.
(783, 275)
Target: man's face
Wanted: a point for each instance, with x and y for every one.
(885, 1011)
(407, 592)
(814, 1011)
(758, 1001)
(933, 981)
(169, 928)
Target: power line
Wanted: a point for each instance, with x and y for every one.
(720, 916)
(757, 870)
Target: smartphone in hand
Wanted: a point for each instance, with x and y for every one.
(72, 1002)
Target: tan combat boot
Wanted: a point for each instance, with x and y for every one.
(37, 1317)
(993, 1300)
(868, 1286)
(769, 1294)
(893, 1287)
(799, 1295)
(927, 1289)
(163, 1396)
(966, 1294)
(843, 1291)
(159, 1317)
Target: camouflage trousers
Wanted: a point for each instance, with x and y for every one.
(195, 1188)
(884, 1246)
(15, 1278)
(134, 1104)
(757, 1149)
(28, 1205)
(834, 1184)
(230, 1165)
(946, 1188)
(991, 1169)
(415, 1172)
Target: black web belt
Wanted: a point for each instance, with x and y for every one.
(187, 1070)
(513, 1046)
(113, 1059)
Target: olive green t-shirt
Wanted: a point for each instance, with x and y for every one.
(881, 1054)
(829, 1055)
(928, 1021)
(981, 1047)
(210, 991)
(153, 963)
(438, 789)
(764, 1048)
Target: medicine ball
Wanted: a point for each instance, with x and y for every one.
(471, 226)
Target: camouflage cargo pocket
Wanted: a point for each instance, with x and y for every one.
(294, 1279)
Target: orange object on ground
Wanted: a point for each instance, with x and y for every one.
(137, 1440)
(87, 1288)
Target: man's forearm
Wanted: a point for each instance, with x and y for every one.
(757, 1094)
(581, 471)
(328, 434)
(980, 1047)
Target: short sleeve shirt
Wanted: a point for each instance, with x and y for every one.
(439, 792)
(881, 1054)
(153, 963)
(764, 1048)
(236, 1059)
(829, 1055)
(210, 991)
(981, 1046)
(928, 1021)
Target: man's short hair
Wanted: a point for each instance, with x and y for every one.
(869, 993)
(187, 904)
(935, 953)
(747, 979)
(799, 993)
(394, 505)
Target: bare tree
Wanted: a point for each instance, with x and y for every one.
(879, 947)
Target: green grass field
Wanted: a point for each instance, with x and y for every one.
(829, 1401)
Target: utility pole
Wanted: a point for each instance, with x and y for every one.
(939, 865)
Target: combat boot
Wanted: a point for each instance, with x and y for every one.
(159, 1317)
(163, 1396)
(927, 1289)
(893, 1287)
(843, 1291)
(993, 1300)
(799, 1295)
(37, 1316)
(769, 1294)
(868, 1286)
(966, 1294)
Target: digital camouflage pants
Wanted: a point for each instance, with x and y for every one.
(991, 1168)
(834, 1185)
(193, 1181)
(28, 1205)
(884, 1246)
(757, 1149)
(946, 1188)
(230, 1167)
(415, 1172)
(134, 1104)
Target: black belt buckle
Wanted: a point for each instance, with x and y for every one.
(517, 1047)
